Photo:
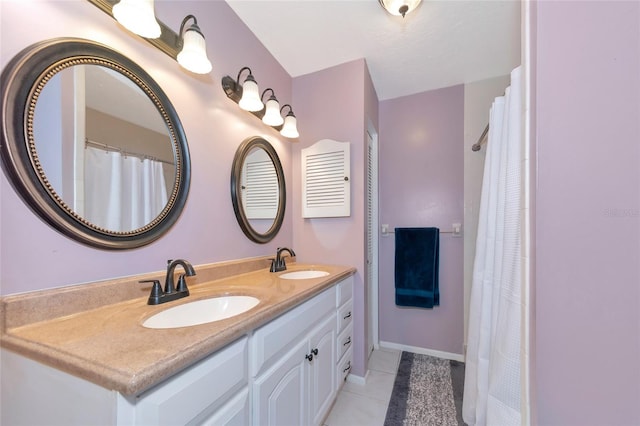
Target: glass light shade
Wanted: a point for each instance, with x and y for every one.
(250, 100)
(400, 7)
(137, 16)
(193, 55)
(272, 115)
(290, 127)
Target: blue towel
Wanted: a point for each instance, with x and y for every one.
(416, 267)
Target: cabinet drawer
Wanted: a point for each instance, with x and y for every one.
(345, 291)
(233, 413)
(344, 367)
(196, 391)
(270, 342)
(345, 316)
(345, 340)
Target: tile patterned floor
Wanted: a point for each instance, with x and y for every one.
(366, 405)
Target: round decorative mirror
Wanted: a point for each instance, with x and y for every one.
(258, 191)
(92, 144)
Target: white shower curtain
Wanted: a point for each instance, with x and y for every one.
(122, 193)
(495, 344)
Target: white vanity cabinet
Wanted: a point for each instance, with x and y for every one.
(286, 372)
(293, 359)
(344, 319)
(212, 391)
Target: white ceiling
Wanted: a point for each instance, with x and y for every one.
(441, 44)
(114, 94)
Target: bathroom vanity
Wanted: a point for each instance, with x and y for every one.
(281, 362)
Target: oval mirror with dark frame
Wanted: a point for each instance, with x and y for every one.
(258, 191)
(92, 143)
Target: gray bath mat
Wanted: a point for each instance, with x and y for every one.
(427, 392)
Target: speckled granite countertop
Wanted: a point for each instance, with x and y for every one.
(107, 345)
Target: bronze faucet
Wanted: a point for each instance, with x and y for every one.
(278, 264)
(171, 291)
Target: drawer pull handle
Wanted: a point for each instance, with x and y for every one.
(347, 342)
(310, 356)
(347, 316)
(348, 367)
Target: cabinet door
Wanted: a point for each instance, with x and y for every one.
(280, 393)
(322, 385)
(272, 341)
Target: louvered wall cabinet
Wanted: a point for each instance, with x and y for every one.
(326, 182)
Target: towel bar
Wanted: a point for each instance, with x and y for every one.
(456, 232)
(442, 232)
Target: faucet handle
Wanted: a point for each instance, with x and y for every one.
(156, 291)
(182, 284)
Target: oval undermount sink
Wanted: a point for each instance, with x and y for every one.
(302, 275)
(201, 312)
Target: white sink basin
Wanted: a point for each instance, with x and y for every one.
(303, 275)
(201, 312)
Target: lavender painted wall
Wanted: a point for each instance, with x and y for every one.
(336, 104)
(587, 213)
(422, 184)
(34, 256)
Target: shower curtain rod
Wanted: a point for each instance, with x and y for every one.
(483, 139)
(111, 148)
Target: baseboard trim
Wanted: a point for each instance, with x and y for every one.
(423, 351)
(358, 380)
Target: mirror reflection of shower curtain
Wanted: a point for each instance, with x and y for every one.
(122, 193)
(496, 360)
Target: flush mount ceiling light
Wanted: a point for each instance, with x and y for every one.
(193, 55)
(137, 16)
(272, 115)
(399, 7)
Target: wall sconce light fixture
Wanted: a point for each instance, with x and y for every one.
(399, 7)
(290, 126)
(272, 116)
(250, 94)
(138, 16)
(193, 55)
(188, 47)
(248, 97)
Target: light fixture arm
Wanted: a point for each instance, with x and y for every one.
(233, 88)
(290, 109)
(193, 27)
(273, 94)
(240, 72)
